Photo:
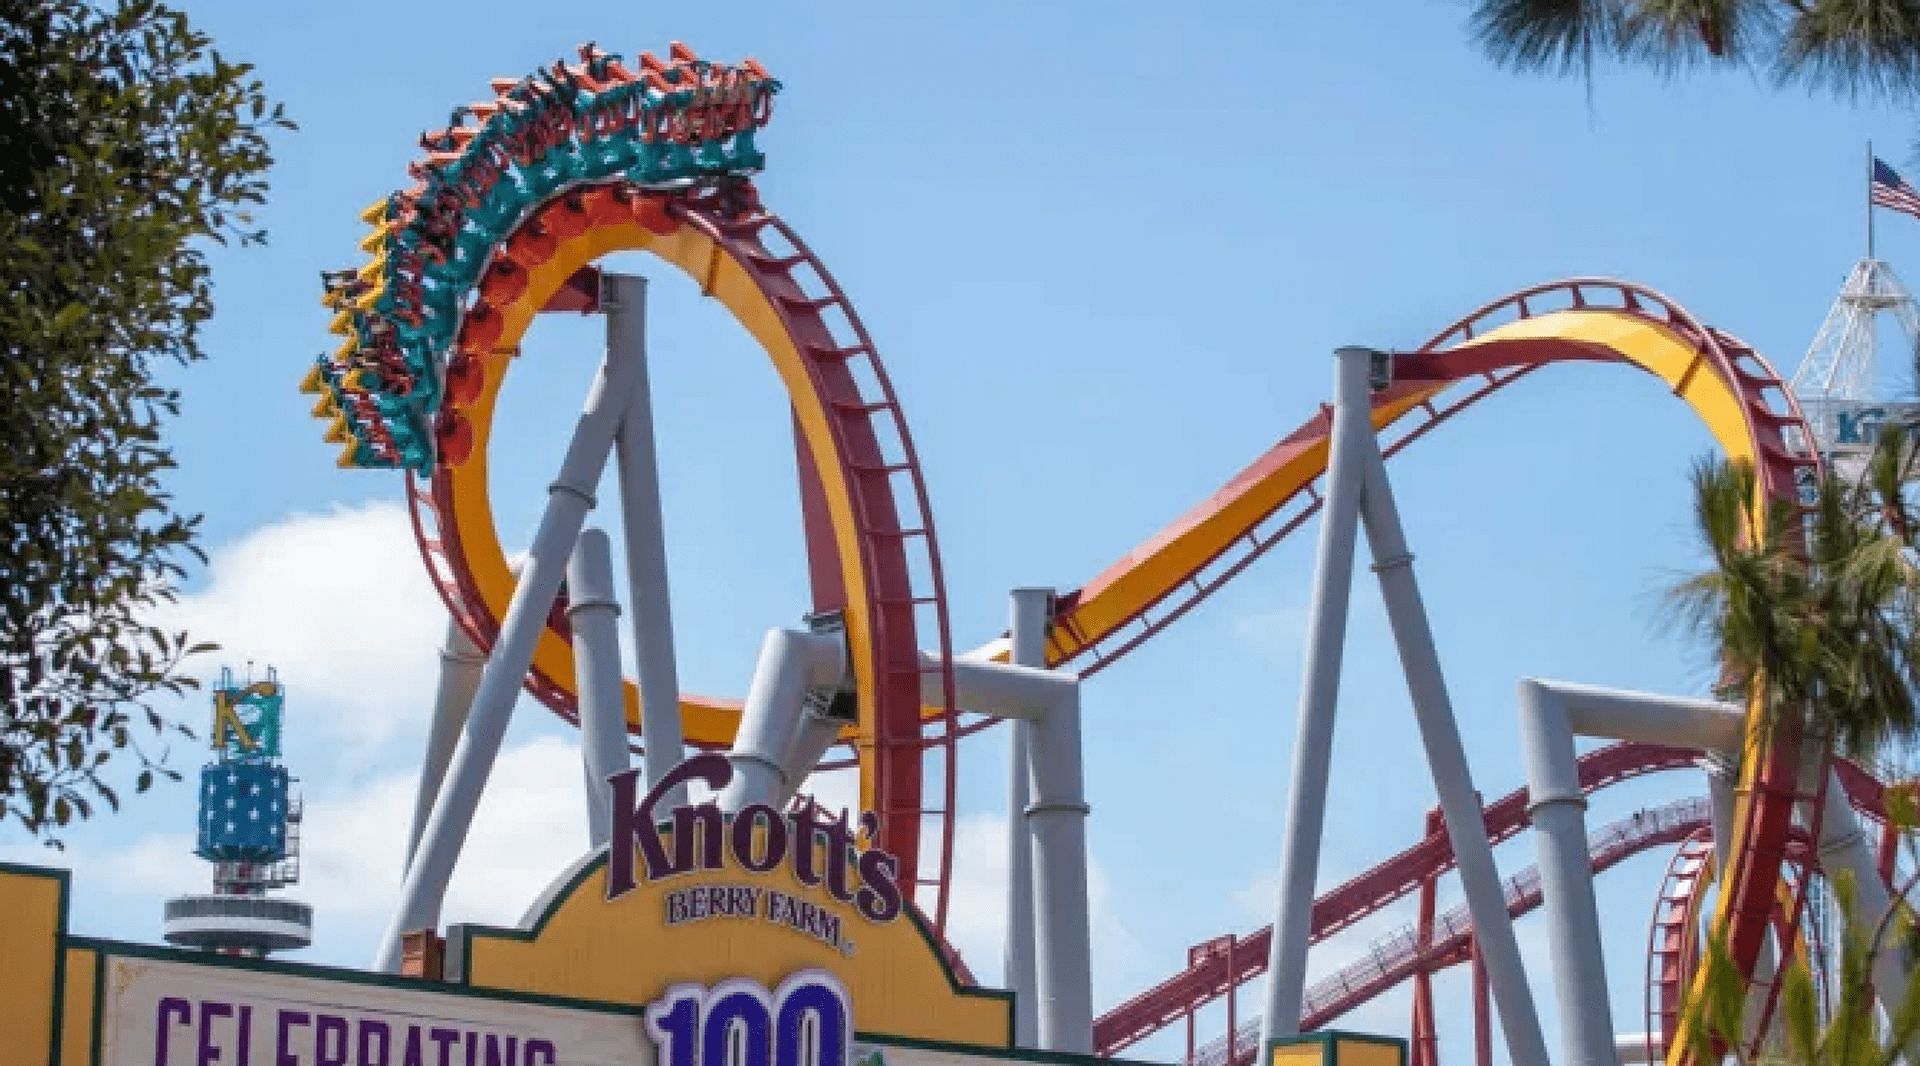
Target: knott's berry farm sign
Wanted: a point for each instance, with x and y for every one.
(694, 928)
(652, 846)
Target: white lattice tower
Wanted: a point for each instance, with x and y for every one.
(1836, 383)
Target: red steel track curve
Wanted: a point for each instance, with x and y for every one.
(1396, 957)
(1673, 940)
(1361, 896)
(1198, 553)
(765, 267)
(1395, 878)
(1580, 320)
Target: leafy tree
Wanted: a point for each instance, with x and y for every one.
(126, 143)
(1851, 46)
(1851, 1035)
(1819, 619)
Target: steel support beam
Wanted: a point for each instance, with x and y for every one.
(1028, 640)
(1319, 693)
(1057, 822)
(791, 662)
(646, 544)
(1447, 760)
(460, 665)
(595, 618)
(569, 499)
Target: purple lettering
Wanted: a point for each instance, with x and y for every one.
(246, 1036)
(544, 1049)
(168, 1005)
(210, 1010)
(413, 1048)
(370, 1028)
(444, 1038)
(325, 1026)
(805, 838)
(287, 1020)
(839, 843)
(879, 896)
(636, 826)
(746, 827)
(705, 824)
(502, 1050)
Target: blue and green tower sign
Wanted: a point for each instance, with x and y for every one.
(243, 791)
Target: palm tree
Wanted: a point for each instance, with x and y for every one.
(1848, 46)
(1848, 1038)
(1821, 618)
(1816, 624)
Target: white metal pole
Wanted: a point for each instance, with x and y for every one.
(790, 663)
(1057, 820)
(1459, 803)
(817, 733)
(1028, 647)
(460, 665)
(569, 499)
(625, 301)
(1844, 846)
(1319, 693)
(595, 616)
(1557, 808)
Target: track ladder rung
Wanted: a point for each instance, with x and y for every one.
(827, 351)
(809, 303)
(881, 468)
(861, 407)
(745, 227)
(779, 263)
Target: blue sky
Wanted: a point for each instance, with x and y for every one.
(1105, 250)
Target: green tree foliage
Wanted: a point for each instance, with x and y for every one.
(1817, 619)
(126, 143)
(1852, 1033)
(1849, 46)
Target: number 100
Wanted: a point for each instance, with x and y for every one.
(805, 1022)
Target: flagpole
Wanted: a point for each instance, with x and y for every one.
(1869, 199)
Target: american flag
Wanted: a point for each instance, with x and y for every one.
(1891, 191)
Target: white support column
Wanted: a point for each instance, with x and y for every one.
(791, 662)
(1552, 713)
(1723, 798)
(646, 544)
(1319, 693)
(460, 665)
(1459, 803)
(816, 733)
(1844, 846)
(569, 499)
(1028, 647)
(595, 616)
(1557, 808)
(1057, 821)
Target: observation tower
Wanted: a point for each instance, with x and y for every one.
(1838, 383)
(248, 828)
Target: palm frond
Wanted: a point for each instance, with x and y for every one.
(1670, 35)
(1854, 47)
(1555, 36)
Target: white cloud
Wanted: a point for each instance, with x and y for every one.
(977, 918)
(340, 603)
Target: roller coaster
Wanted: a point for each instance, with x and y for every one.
(515, 201)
